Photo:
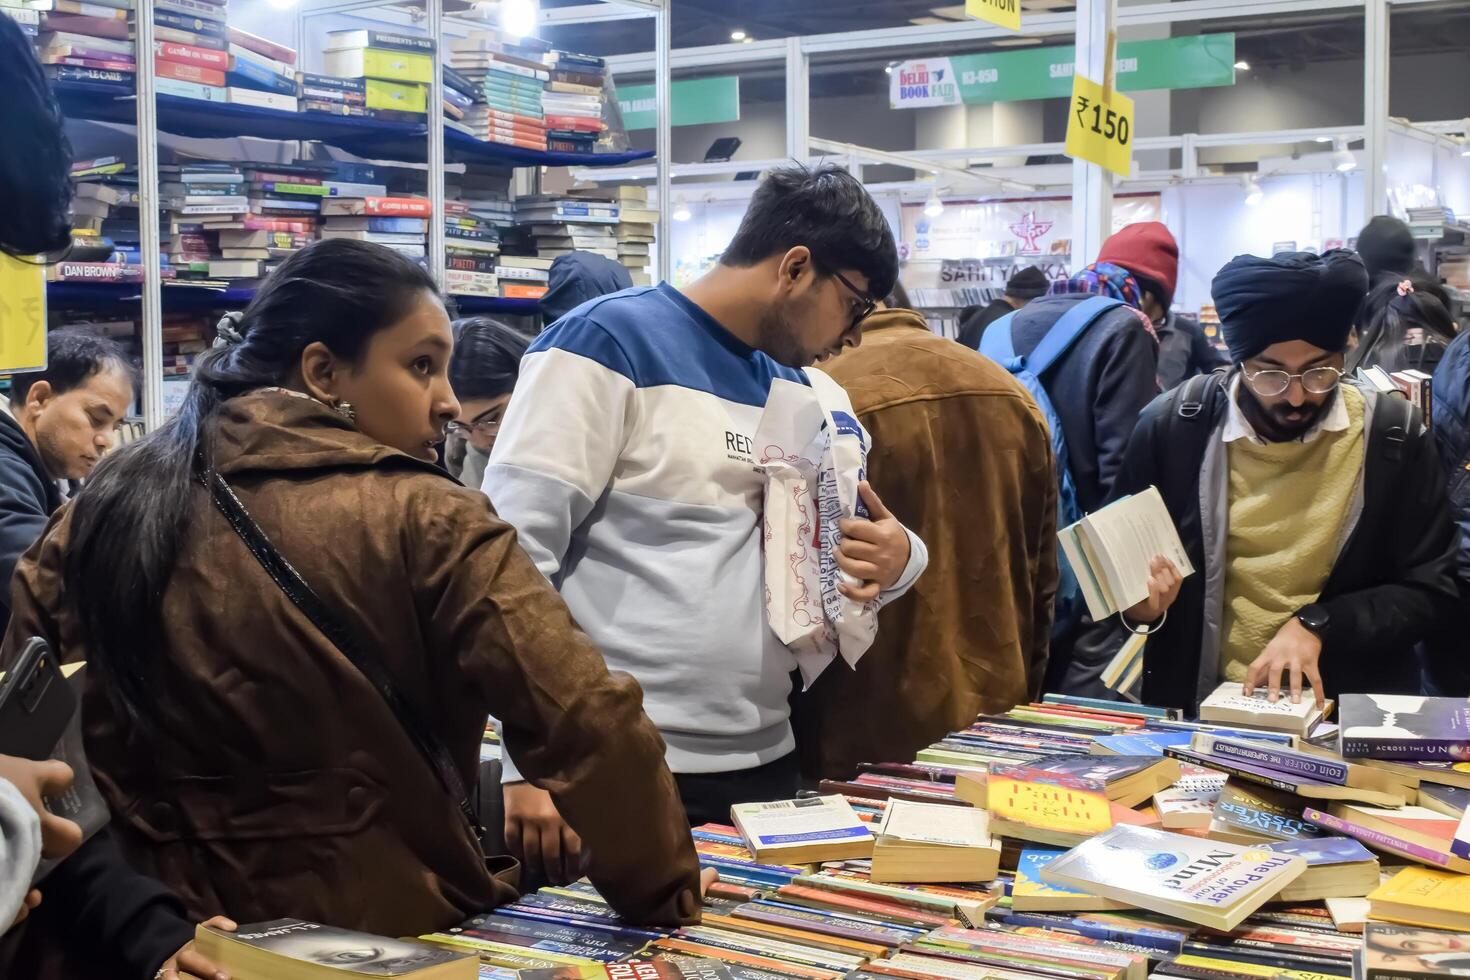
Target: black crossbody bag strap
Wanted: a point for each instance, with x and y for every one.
(322, 617)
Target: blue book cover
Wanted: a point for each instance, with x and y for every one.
(1144, 742)
(1028, 872)
(408, 226)
(253, 75)
(188, 22)
(1126, 706)
(1324, 850)
(1102, 768)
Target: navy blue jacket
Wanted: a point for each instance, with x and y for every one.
(578, 277)
(1098, 387)
(1452, 434)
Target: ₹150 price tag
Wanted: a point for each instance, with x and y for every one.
(22, 314)
(1100, 126)
(1003, 13)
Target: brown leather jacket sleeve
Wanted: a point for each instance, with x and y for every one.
(577, 730)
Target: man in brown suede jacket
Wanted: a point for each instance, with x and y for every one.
(966, 459)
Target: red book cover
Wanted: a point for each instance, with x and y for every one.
(403, 207)
(188, 54)
(580, 123)
(496, 116)
(90, 26)
(255, 222)
(267, 49)
(519, 290)
(514, 135)
(188, 73)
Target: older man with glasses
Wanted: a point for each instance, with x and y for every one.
(1313, 510)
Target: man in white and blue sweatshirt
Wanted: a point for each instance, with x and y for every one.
(626, 463)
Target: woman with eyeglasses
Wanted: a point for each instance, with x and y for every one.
(483, 372)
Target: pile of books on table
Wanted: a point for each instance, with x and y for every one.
(509, 80)
(1031, 851)
(82, 41)
(574, 101)
(390, 73)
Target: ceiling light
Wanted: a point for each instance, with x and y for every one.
(1242, 65)
(933, 206)
(888, 69)
(681, 209)
(1253, 193)
(518, 17)
(737, 35)
(1322, 139)
(1342, 157)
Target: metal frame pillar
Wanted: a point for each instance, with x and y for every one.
(1092, 186)
(662, 83)
(150, 238)
(1375, 106)
(798, 101)
(435, 155)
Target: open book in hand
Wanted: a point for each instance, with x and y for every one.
(1110, 551)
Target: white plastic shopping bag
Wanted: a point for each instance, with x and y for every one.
(813, 452)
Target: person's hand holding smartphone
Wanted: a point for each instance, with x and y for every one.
(36, 781)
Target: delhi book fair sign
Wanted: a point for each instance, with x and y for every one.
(22, 314)
(1201, 61)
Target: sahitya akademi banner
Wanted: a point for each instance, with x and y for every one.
(1202, 61)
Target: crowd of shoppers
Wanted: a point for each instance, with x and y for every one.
(297, 616)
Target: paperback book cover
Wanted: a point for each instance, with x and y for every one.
(1397, 952)
(1203, 881)
(1424, 896)
(1258, 813)
(1047, 808)
(291, 947)
(1387, 793)
(1030, 893)
(1140, 743)
(1412, 832)
(1315, 767)
(1405, 727)
(1229, 705)
(822, 828)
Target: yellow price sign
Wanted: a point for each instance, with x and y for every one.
(22, 314)
(1100, 126)
(1003, 13)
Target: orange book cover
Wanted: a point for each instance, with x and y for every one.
(517, 290)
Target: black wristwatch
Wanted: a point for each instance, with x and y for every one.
(1315, 617)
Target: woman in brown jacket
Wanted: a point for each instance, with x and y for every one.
(248, 763)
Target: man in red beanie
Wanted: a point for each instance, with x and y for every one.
(1148, 251)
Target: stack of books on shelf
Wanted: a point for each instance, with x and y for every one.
(459, 98)
(85, 41)
(574, 101)
(331, 94)
(185, 337)
(634, 232)
(363, 219)
(26, 18)
(262, 73)
(395, 71)
(523, 276)
(510, 80)
(471, 252)
(550, 225)
(104, 236)
(190, 49)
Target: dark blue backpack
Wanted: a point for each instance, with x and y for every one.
(998, 345)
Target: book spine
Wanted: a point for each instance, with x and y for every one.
(190, 23)
(73, 54)
(254, 73)
(1378, 839)
(397, 207)
(1407, 750)
(239, 51)
(197, 74)
(192, 8)
(263, 47)
(355, 85)
(68, 74)
(1322, 770)
(400, 42)
(263, 100)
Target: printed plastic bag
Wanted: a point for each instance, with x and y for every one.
(813, 452)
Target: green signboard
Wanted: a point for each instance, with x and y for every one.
(695, 101)
(1201, 61)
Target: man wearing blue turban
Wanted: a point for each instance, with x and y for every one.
(1312, 509)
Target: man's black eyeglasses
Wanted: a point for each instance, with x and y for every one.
(865, 304)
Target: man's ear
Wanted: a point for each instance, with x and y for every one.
(795, 264)
(39, 396)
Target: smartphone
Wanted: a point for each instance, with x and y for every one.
(36, 703)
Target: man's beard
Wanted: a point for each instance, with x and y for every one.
(777, 338)
(1275, 424)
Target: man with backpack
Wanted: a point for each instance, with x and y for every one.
(1313, 511)
(1089, 358)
